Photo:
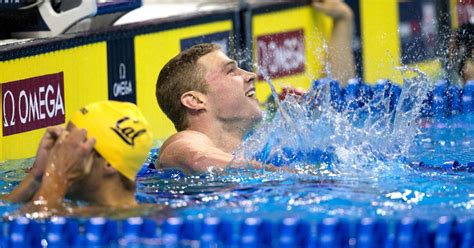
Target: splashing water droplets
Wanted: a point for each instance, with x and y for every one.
(369, 138)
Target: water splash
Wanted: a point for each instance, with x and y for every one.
(369, 138)
(349, 160)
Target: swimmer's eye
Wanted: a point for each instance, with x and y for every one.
(231, 68)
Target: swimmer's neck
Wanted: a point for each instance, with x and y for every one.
(225, 136)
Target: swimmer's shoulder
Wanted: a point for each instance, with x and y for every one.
(175, 149)
(186, 138)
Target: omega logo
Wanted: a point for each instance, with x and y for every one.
(32, 103)
(123, 87)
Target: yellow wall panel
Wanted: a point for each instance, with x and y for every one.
(85, 80)
(454, 13)
(381, 40)
(316, 30)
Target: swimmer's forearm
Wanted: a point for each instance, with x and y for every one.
(201, 162)
(259, 166)
(25, 190)
(52, 191)
(341, 57)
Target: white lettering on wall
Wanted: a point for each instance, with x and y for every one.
(37, 104)
(124, 86)
(7, 123)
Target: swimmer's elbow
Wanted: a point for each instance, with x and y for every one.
(202, 161)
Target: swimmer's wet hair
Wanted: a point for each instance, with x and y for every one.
(181, 74)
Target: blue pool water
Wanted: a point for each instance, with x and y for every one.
(443, 141)
(349, 163)
(391, 193)
(344, 153)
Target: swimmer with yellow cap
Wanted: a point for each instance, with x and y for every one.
(95, 159)
(122, 134)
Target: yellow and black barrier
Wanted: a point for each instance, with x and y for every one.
(288, 44)
(44, 81)
(382, 42)
(44, 88)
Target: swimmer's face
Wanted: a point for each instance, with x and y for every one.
(86, 185)
(231, 95)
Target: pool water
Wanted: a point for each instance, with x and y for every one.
(443, 141)
(350, 162)
(394, 192)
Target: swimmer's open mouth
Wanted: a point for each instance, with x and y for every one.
(250, 93)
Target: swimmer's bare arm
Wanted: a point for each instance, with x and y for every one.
(192, 152)
(31, 183)
(341, 57)
(69, 160)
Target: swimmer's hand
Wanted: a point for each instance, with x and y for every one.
(42, 154)
(71, 156)
(31, 183)
(336, 9)
(69, 160)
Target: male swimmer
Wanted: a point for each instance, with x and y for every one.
(212, 103)
(94, 160)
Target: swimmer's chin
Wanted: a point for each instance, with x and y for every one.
(258, 116)
(256, 119)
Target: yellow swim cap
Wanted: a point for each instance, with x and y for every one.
(123, 135)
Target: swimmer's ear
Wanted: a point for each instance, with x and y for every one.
(194, 100)
(109, 170)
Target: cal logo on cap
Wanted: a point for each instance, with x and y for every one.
(127, 133)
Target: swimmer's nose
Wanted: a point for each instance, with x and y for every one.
(250, 77)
